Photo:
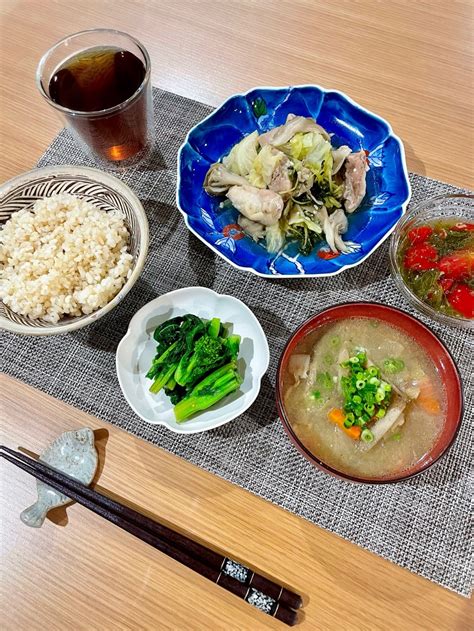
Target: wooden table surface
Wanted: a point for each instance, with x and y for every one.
(409, 62)
(81, 572)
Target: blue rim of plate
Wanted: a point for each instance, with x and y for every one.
(380, 210)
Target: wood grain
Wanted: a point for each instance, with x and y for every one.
(87, 574)
(410, 62)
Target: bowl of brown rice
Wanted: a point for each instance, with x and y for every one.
(73, 242)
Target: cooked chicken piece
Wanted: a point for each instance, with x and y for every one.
(281, 181)
(338, 156)
(298, 366)
(257, 204)
(294, 124)
(252, 228)
(305, 180)
(219, 179)
(354, 180)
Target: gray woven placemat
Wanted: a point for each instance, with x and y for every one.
(422, 524)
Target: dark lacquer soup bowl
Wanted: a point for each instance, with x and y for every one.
(445, 383)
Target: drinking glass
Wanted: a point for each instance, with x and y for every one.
(119, 135)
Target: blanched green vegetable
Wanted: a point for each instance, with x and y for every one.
(207, 353)
(304, 225)
(175, 338)
(189, 350)
(214, 327)
(209, 391)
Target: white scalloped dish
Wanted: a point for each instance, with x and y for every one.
(136, 351)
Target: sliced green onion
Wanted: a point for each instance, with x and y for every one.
(366, 394)
(328, 359)
(396, 436)
(366, 436)
(393, 365)
(324, 380)
(316, 395)
(335, 341)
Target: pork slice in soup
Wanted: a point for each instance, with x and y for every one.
(363, 397)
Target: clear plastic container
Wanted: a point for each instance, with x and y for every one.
(443, 207)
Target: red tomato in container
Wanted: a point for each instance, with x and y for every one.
(446, 283)
(419, 235)
(461, 298)
(421, 257)
(458, 265)
(462, 227)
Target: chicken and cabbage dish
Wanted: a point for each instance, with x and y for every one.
(291, 183)
(363, 397)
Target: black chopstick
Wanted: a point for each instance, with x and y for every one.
(192, 548)
(256, 589)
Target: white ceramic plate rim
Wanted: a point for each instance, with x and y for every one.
(295, 276)
(168, 299)
(120, 187)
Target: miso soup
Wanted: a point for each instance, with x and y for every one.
(364, 397)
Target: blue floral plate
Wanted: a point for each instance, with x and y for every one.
(388, 188)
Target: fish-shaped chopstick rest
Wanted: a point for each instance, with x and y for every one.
(74, 454)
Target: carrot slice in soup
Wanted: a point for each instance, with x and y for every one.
(354, 432)
(427, 398)
(336, 415)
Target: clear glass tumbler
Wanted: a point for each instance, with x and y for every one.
(119, 135)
